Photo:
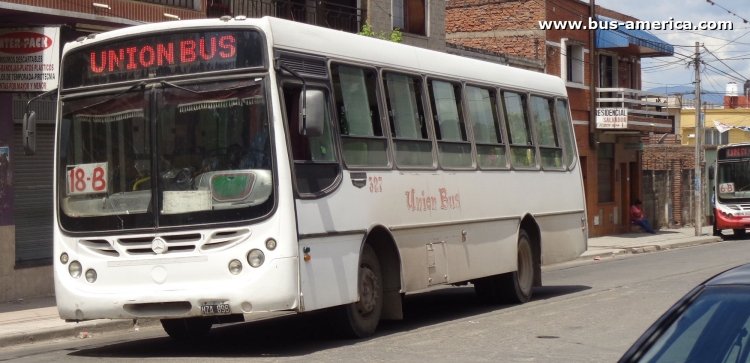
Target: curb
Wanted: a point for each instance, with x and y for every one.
(616, 251)
(76, 330)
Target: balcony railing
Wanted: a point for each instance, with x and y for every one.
(646, 111)
(322, 13)
(186, 4)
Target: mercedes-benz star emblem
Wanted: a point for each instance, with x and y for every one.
(159, 246)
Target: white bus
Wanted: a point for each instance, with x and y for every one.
(235, 169)
(731, 189)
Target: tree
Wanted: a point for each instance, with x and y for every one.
(394, 36)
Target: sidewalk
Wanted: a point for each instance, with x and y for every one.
(36, 320)
(664, 239)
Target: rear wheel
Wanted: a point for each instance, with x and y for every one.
(187, 329)
(360, 319)
(512, 287)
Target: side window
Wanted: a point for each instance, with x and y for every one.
(567, 134)
(362, 139)
(480, 104)
(406, 118)
(549, 146)
(521, 147)
(454, 149)
(315, 164)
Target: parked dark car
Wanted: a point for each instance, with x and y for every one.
(709, 324)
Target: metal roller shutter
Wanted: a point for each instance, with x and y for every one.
(32, 179)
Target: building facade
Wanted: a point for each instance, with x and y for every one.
(26, 181)
(603, 74)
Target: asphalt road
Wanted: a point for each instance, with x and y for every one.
(587, 312)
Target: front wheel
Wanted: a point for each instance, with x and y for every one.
(360, 319)
(740, 233)
(187, 329)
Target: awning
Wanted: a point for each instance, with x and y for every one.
(637, 42)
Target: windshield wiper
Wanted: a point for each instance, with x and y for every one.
(166, 84)
(139, 84)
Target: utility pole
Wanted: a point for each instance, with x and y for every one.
(698, 145)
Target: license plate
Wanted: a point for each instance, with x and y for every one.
(215, 309)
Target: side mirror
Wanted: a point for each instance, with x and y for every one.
(29, 132)
(312, 117)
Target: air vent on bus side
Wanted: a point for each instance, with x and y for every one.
(100, 246)
(304, 65)
(225, 238)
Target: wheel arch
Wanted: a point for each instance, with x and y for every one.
(382, 241)
(530, 225)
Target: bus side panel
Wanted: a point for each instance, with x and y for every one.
(329, 278)
(487, 248)
(456, 253)
(563, 237)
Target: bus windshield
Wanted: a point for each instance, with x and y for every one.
(165, 156)
(733, 180)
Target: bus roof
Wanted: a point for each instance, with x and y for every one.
(301, 37)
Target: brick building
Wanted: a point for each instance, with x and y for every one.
(603, 74)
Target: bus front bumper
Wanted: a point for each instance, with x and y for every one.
(255, 294)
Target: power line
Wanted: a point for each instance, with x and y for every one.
(712, 2)
(722, 62)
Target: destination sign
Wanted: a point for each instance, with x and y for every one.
(161, 56)
(735, 152)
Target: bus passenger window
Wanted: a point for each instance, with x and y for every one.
(315, 165)
(406, 118)
(522, 153)
(454, 149)
(549, 147)
(356, 98)
(480, 104)
(567, 135)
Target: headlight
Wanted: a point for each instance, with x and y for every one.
(75, 269)
(235, 267)
(91, 275)
(271, 244)
(255, 258)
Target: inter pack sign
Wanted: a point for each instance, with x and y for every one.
(29, 59)
(162, 55)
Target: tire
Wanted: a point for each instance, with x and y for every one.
(187, 329)
(360, 319)
(513, 287)
(740, 233)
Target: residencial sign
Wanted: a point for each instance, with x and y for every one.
(611, 118)
(29, 59)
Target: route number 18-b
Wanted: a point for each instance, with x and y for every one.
(86, 178)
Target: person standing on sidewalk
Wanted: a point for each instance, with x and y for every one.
(638, 217)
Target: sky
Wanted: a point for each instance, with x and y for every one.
(731, 47)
